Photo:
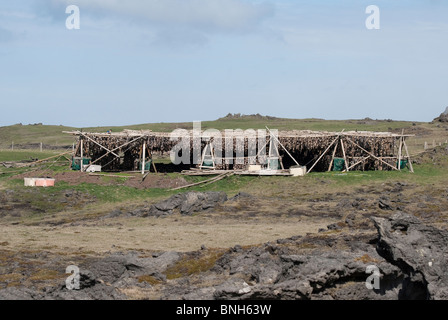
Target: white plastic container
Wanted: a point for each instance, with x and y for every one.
(30, 182)
(92, 168)
(298, 171)
(254, 167)
(39, 182)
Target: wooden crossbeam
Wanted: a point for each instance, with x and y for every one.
(216, 178)
(225, 175)
(125, 144)
(42, 160)
(328, 148)
(283, 146)
(354, 165)
(99, 144)
(371, 154)
(264, 147)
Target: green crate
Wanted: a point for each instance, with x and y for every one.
(147, 165)
(207, 163)
(403, 164)
(76, 162)
(338, 164)
(274, 164)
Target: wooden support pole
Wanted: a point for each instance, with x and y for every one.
(144, 176)
(75, 151)
(109, 175)
(154, 166)
(264, 147)
(407, 154)
(343, 154)
(259, 151)
(273, 147)
(139, 158)
(212, 152)
(282, 146)
(82, 160)
(203, 155)
(152, 160)
(332, 156)
(399, 152)
(209, 146)
(328, 148)
(143, 157)
(371, 154)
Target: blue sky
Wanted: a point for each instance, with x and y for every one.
(141, 61)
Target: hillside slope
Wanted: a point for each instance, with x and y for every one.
(52, 135)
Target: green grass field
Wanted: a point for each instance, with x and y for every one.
(53, 134)
(424, 173)
(18, 155)
(23, 134)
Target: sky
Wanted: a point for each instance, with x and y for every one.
(147, 61)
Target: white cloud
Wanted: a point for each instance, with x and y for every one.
(205, 15)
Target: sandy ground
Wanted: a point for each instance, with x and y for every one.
(177, 233)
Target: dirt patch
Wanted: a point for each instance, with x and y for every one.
(436, 156)
(152, 180)
(417, 130)
(172, 233)
(155, 181)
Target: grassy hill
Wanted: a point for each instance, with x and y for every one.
(54, 136)
(24, 134)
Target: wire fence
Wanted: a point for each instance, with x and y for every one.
(36, 146)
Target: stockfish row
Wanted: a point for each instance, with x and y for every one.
(361, 150)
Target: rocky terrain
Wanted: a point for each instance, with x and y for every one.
(411, 258)
(328, 238)
(443, 116)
